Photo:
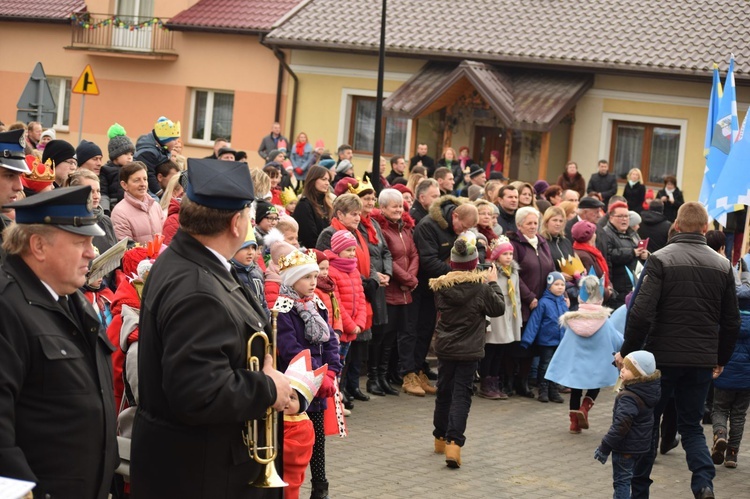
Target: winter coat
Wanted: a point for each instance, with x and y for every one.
(507, 328)
(380, 261)
(269, 143)
(399, 238)
(252, 278)
(535, 265)
(310, 223)
(655, 227)
(507, 221)
(291, 338)
(417, 212)
(633, 416)
(427, 161)
(272, 284)
(686, 311)
(111, 190)
(736, 374)
(138, 220)
(434, 237)
(606, 185)
(150, 152)
(352, 299)
(57, 412)
(583, 360)
(635, 196)
(195, 323)
(125, 296)
(172, 223)
(577, 183)
(544, 327)
(462, 300)
(620, 254)
(302, 162)
(601, 239)
(325, 297)
(670, 209)
(109, 239)
(560, 247)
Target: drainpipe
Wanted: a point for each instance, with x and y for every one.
(283, 64)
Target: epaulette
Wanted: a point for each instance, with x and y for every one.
(283, 304)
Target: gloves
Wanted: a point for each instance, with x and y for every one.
(600, 456)
(299, 171)
(327, 388)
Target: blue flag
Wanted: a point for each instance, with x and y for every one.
(732, 190)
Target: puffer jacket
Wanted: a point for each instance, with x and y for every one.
(138, 220)
(352, 302)
(399, 238)
(150, 152)
(686, 311)
(126, 295)
(633, 416)
(272, 284)
(620, 254)
(544, 327)
(334, 313)
(655, 227)
(463, 300)
(380, 261)
(534, 265)
(111, 190)
(434, 237)
(172, 223)
(736, 374)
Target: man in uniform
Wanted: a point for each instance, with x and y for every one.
(57, 410)
(12, 165)
(196, 318)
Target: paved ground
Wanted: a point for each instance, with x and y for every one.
(518, 448)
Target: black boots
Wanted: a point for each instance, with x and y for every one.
(319, 490)
(522, 387)
(373, 385)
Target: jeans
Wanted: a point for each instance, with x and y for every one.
(689, 386)
(545, 357)
(454, 390)
(730, 405)
(622, 474)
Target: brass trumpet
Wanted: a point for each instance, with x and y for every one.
(264, 455)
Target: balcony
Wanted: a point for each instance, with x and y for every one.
(122, 36)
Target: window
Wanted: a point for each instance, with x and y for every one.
(654, 148)
(60, 87)
(211, 116)
(362, 129)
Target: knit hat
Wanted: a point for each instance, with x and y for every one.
(403, 189)
(640, 363)
(327, 163)
(250, 238)
(464, 254)
(119, 143)
(262, 209)
(297, 265)
(166, 130)
(58, 151)
(342, 240)
(279, 248)
(87, 150)
(344, 165)
(303, 379)
(319, 144)
(342, 186)
(272, 155)
(540, 186)
(474, 192)
(320, 256)
(50, 132)
(552, 277)
(475, 170)
(635, 219)
(503, 244)
(582, 231)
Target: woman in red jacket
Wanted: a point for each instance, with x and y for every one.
(397, 227)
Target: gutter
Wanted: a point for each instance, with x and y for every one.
(283, 66)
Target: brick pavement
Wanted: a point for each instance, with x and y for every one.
(518, 448)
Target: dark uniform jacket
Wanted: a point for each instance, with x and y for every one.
(195, 392)
(57, 409)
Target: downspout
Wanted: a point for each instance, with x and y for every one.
(283, 64)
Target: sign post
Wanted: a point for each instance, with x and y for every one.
(86, 85)
(36, 102)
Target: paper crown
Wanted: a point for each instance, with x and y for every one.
(571, 265)
(303, 379)
(41, 174)
(296, 258)
(362, 186)
(287, 196)
(167, 129)
(583, 294)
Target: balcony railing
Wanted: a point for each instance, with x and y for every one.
(121, 33)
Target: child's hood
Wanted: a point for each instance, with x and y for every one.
(646, 387)
(448, 283)
(587, 320)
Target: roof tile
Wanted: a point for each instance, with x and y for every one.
(252, 15)
(41, 9)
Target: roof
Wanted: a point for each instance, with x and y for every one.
(683, 37)
(231, 16)
(522, 99)
(40, 10)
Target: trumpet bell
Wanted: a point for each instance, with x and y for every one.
(269, 479)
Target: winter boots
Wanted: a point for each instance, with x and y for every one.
(548, 392)
(554, 393)
(373, 384)
(731, 460)
(489, 388)
(720, 446)
(574, 428)
(543, 388)
(583, 412)
(412, 386)
(439, 445)
(424, 383)
(522, 387)
(452, 455)
(319, 490)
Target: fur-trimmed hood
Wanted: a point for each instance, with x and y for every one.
(442, 208)
(457, 277)
(643, 379)
(587, 320)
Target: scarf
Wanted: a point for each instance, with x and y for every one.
(326, 285)
(487, 232)
(345, 265)
(598, 258)
(372, 234)
(363, 252)
(507, 271)
(316, 328)
(669, 192)
(299, 148)
(631, 183)
(534, 242)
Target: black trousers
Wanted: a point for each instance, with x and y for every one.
(414, 347)
(453, 402)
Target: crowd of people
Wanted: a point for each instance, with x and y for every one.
(512, 284)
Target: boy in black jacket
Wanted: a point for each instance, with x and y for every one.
(463, 298)
(629, 437)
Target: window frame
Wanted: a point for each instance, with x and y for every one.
(209, 115)
(62, 94)
(347, 120)
(608, 133)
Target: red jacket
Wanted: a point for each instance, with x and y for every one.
(125, 295)
(351, 296)
(272, 284)
(400, 241)
(334, 322)
(172, 223)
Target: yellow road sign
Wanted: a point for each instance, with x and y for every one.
(86, 83)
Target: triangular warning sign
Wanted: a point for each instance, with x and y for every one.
(86, 83)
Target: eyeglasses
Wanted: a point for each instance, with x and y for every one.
(272, 219)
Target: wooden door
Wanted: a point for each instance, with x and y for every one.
(487, 139)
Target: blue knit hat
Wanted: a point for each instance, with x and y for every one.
(554, 276)
(640, 363)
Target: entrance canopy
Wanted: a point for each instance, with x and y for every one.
(522, 99)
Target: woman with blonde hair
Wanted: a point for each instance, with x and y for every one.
(635, 191)
(414, 180)
(491, 189)
(526, 194)
(569, 207)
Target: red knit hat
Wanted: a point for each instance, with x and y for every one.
(402, 189)
(321, 257)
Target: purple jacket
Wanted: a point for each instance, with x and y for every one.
(535, 265)
(291, 339)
